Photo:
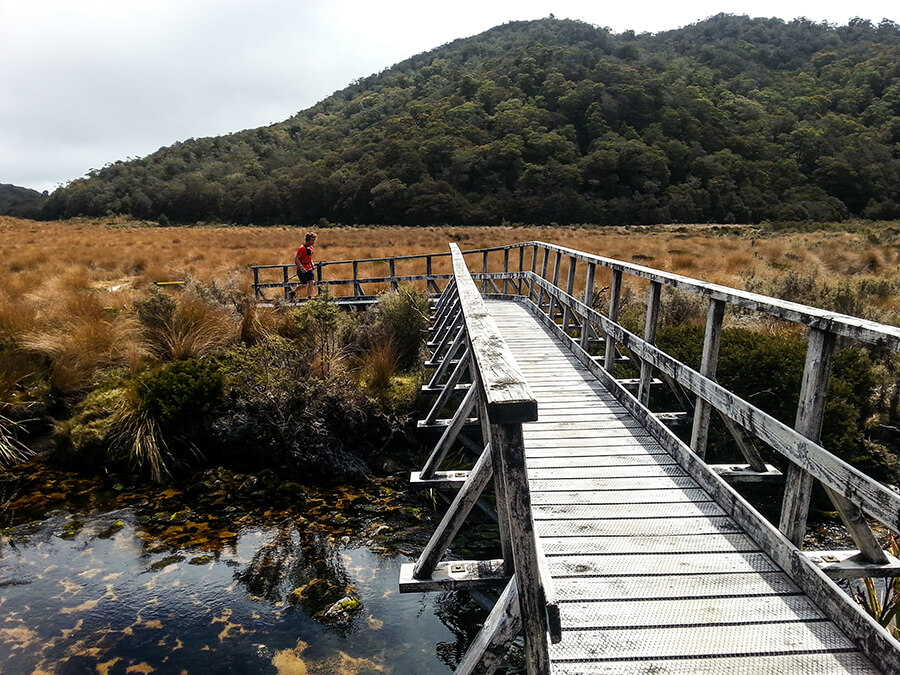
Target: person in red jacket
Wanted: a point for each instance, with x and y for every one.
(305, 266)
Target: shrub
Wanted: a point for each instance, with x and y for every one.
(156, 310)
(401, 317)
(320, 428)
(323, 332)
(178, 395)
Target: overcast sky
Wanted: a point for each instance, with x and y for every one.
(88, 82)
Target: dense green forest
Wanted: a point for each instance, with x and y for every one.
(20, 201)
(731, 119)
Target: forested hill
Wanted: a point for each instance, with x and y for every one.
(728, 120)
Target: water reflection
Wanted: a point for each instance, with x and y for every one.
(120, 579)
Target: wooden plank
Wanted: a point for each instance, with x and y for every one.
(570, 496)
(688, 611)
(593, 461)
(441, 480)
(853, 565)
(684, 543)
(604, 472)
(573, 432)
(622, 450)
(688, 642)
(660, 575)
(669, 587)
(638, 527)
(628, 510)
(455, 575)
(751, 664)
(628, 484)
(622, 438)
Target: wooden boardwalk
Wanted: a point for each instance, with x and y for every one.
(651, 574)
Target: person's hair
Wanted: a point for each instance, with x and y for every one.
(311, 235)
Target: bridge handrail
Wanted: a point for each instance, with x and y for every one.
(507, 402)
(834, 322)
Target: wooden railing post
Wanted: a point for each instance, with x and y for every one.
(508, 442)
(653, 300)
(810, 415)
(484, 269)
(521, 269)
(256, 289)
(393, 274)
(589, 301)
(357, 288)
(430, 285)
(286, 289)
(544, 264)
(798, 483)
(556, 264)
(506, 270)
(615, 292)
(531, 285)
(712, 341)
(570, 289)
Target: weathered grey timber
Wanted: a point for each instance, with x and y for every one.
(503, 402)
(623, 550)
(665, 574)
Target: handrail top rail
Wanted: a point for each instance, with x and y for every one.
(509, 398)
(832, 322)
(329, 263)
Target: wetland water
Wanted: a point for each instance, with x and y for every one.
(224, 574)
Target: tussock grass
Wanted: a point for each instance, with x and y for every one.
(378, 365)
(197, 328)
(12, 450)
(78, 335)
(136, 437)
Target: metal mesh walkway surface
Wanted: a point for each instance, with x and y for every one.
(651, 574)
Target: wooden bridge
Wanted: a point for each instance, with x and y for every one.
(622, 550)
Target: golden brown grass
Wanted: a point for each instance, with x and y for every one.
(68, 286)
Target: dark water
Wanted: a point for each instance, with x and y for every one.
(227, 574)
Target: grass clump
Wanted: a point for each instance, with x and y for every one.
(401, 319)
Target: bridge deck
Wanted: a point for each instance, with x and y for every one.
(651, 574)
